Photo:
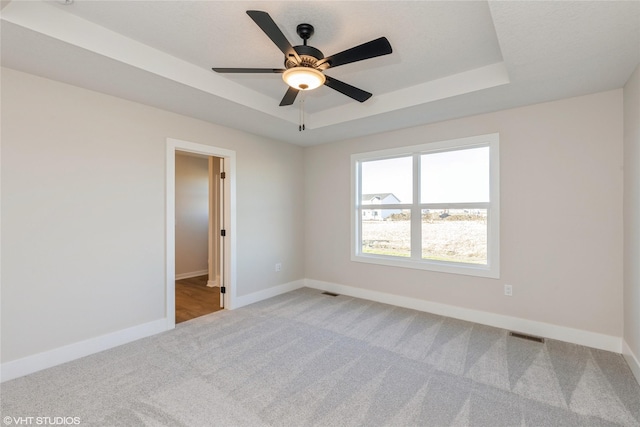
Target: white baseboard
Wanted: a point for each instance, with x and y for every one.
(254, 297)
(215, 283)
(191, 274)
(547, 330)
(37, 362)
(632, 360)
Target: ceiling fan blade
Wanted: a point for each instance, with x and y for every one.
(377, 47)
(248, 70)
(346, 89)
(289, 97)
(272, 31)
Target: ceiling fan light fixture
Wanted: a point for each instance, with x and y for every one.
(303, 78)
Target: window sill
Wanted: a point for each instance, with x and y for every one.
(428, 265)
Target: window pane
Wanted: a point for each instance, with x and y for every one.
(455, 235)
(387, 181)
(386, 232)
(455, 176)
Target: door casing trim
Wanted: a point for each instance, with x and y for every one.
(229, 255)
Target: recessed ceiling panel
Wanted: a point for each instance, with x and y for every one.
(450, 59)
(430, 39)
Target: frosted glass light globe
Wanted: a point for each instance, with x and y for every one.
(303, 78)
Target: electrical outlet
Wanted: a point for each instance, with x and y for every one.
(508, 290)
(279, 266)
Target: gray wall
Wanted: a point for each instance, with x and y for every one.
(83, 201)
(83, 211)
(561, 215)
(632, 215)
(192, 214)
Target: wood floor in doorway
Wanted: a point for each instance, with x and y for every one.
(195, 299)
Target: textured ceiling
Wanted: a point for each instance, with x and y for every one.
(450, 59)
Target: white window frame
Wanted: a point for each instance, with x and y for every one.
(491, 269)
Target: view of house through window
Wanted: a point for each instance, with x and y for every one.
(433, 206)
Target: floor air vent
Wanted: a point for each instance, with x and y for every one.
(527, 337)
(331, 294)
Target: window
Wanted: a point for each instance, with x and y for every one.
(434, 206)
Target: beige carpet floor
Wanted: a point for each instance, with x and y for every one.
(307, 359)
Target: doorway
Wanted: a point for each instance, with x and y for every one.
(198, 217)
(220, 277)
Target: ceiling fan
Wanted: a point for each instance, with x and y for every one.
(305, 65)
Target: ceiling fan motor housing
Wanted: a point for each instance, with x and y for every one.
(309, 56)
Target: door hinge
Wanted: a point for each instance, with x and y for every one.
(223, 175)
(223, 289)
(223, 233)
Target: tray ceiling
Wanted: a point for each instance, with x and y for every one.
(450, 59)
